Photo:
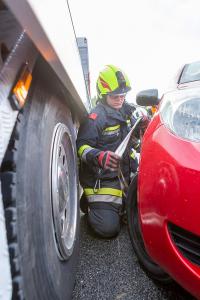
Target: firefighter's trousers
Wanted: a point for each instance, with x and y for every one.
(104, 207)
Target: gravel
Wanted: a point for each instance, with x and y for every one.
(108, 269)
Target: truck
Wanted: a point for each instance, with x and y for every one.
(43, 99)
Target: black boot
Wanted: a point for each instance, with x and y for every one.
(84, 204)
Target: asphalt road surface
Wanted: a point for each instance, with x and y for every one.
(108, 270)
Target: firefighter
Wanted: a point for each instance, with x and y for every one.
(98, 137)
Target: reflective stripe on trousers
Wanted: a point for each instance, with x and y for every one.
(108, 195)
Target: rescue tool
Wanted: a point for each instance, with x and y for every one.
(122, 147)
(120, 151)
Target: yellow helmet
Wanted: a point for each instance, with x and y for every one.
(112, 81)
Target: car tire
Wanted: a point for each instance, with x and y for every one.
(40, 194)
(148, 265)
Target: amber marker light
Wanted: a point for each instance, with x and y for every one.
(154, 109)
(21, 88)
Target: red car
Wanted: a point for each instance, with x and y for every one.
(164, 198)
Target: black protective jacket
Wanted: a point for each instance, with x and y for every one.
(104, 129)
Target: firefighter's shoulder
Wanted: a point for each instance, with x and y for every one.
(97, 113)
(93, 116)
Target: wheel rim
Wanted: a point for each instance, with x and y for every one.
(63, 191)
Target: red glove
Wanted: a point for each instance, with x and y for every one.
(108, 160)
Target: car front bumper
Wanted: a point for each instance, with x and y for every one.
(169, 193)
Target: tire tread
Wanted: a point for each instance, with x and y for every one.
(8, 179)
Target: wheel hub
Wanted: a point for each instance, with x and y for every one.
(63, 191)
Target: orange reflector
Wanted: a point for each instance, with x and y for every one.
(154, 109)
(20, 90)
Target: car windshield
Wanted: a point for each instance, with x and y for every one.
(191, 72)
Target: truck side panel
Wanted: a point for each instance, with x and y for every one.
(23, 51)
(49, 25)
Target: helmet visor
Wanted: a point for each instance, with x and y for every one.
(120, 91)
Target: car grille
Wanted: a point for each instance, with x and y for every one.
(187, 242)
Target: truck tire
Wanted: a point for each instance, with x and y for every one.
(152, 269)
(40, 194)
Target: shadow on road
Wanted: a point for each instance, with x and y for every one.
(108, 269)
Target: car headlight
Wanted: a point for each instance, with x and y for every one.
(180, 112)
